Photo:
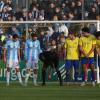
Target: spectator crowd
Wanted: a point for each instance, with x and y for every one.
(50, 10)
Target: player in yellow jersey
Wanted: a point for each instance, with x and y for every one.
(87, 45)
(71, 55)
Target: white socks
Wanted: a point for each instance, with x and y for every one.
(19, 77)
(35, 79)
(8, 77)
(26, 78)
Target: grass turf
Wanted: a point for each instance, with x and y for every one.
(50, 92)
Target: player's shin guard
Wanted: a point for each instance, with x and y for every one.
(19, 77)
(35, 79)
(8, 77)
(43, 76)
(26, 78)
(59, 76)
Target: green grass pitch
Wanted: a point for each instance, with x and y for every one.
(52, 91)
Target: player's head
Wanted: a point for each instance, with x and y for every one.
(15, 37)
(85, 31)
(53, 42)
(34, 36)
(30, 30)
(97, 34)
(71, 35)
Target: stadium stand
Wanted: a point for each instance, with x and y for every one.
(49, 10)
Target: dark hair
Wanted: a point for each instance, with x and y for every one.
(33, 35)
(97, 34)
(85, 29)
(15, 36)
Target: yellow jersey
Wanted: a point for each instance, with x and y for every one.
(87, 44)
(72, 50)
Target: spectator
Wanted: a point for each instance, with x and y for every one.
(63, 28)
(18, 14)
(50, 30)
(35, 13)
(92, 13)
(1, 5)
(42, 41)
(41, 14)
(47, 40)
(30, 17)
(4, 14)
(15, 31)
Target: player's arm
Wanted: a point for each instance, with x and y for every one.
(93, 46)
(19, 54)
(4, 58)
(82, 50)
(81, 47)
(5, 52)
(92, 49)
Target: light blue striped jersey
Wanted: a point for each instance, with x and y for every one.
(32, 49)
(12, 50)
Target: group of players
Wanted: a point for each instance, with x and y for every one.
(12, 57)
(74, 49)
(82, 48)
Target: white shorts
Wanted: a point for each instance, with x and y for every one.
(32, 64)
(12, 64)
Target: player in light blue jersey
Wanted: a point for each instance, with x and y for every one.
(32, 51)
(12, 56)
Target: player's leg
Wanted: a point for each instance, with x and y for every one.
(35, 72)
(9, 66)
(76, 68)
(84, 71)
(35, 75)
(44, 73)
(8, 75)
(59, 76)
(92, 70)
(55, 65)
(49, 70)
(68, 65)
(28, 66)
(19, 76)
(27, 75)
(45, 65)
(16, 66)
